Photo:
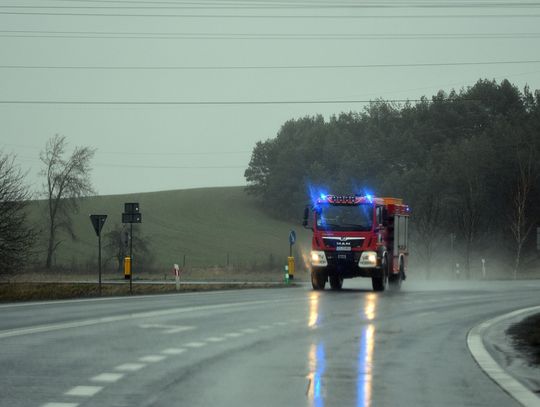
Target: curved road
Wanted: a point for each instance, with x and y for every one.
(266, 347)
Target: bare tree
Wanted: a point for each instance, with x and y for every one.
(16, 236)
(520, 224)
(66, 180)
(117, 246)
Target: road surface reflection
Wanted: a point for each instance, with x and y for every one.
(317, 386)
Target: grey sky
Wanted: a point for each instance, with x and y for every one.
(158, 147)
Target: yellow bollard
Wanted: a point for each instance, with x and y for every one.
(127, 267)
(291, 267)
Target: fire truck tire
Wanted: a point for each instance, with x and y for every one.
(395, 280)
(318, 279)
(336, 282)
(379, 283)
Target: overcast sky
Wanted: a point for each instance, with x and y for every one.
(316, 50)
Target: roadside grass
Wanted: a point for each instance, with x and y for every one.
(526, 336)
(56, 291)
(212, 227)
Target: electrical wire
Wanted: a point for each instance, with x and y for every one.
(265, 67)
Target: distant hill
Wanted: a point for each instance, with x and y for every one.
(204, 224)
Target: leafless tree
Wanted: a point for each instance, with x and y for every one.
(66, 181)
(520, 224)
(16, 236)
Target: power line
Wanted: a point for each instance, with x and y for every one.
(266, 67)
(274, 36)
(276, 16)
(206, 103)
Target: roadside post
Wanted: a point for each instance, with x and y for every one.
(484, 269)
(286, 274)
(131, 215)
(177, 276)
(290, 259)
(98, 221)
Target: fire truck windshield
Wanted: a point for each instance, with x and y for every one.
(345, 217)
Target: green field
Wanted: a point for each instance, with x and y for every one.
(206, 225)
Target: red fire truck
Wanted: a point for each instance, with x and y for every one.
(358, 236)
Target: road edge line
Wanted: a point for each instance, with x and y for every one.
(491, 368)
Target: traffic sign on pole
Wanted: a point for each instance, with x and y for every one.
(97, 222)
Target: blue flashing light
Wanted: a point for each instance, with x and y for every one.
(369, 197)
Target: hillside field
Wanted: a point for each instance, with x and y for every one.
(206, 225)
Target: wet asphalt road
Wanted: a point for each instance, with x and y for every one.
(271, 347)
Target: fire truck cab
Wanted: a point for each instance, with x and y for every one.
(358, 236)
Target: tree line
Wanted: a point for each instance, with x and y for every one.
(467, 162)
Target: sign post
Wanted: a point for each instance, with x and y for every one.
(98, 221)
(176, 268)
(131, 215)
(290, 259)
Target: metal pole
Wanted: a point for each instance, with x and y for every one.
(99, 260)
(290, 250)
(131, 259)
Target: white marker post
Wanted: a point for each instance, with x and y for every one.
(484, 269)
(177, 276)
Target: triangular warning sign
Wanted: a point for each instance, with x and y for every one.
(98, 221)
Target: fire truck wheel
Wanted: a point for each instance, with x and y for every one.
(379, 283)
(395, 280)
(318, 279)
(336, 282)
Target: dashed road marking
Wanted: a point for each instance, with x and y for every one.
(250, 330)
(195, 344)
(173, 351)
(107, 377)
(215, 339)
(281, 323)
(265, 326)
(83, 391)
(54, 404)
(130, 367)
(152, 358)
(167, 329)
(233, 334)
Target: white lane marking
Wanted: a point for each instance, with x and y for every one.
(281, 323)
(127, 317)
(152, 358)
(250, 330)
(83, 391)
(130, 367)
(53, 404)
(215, 339)
(265, 326)
(107, 377)
(490, 367)
(173, 351)
(233, 335)
(195, 344)
(167, 329)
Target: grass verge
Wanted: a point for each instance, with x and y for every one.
(526, 336)
(57, 291)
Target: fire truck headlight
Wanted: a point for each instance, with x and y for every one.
(318, 258)
(368, 259)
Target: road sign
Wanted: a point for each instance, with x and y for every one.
(131, 217)
(131, 207)
(292, 237)
(98, 221)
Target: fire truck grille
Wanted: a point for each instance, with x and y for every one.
(348, 242)
(338, 259)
